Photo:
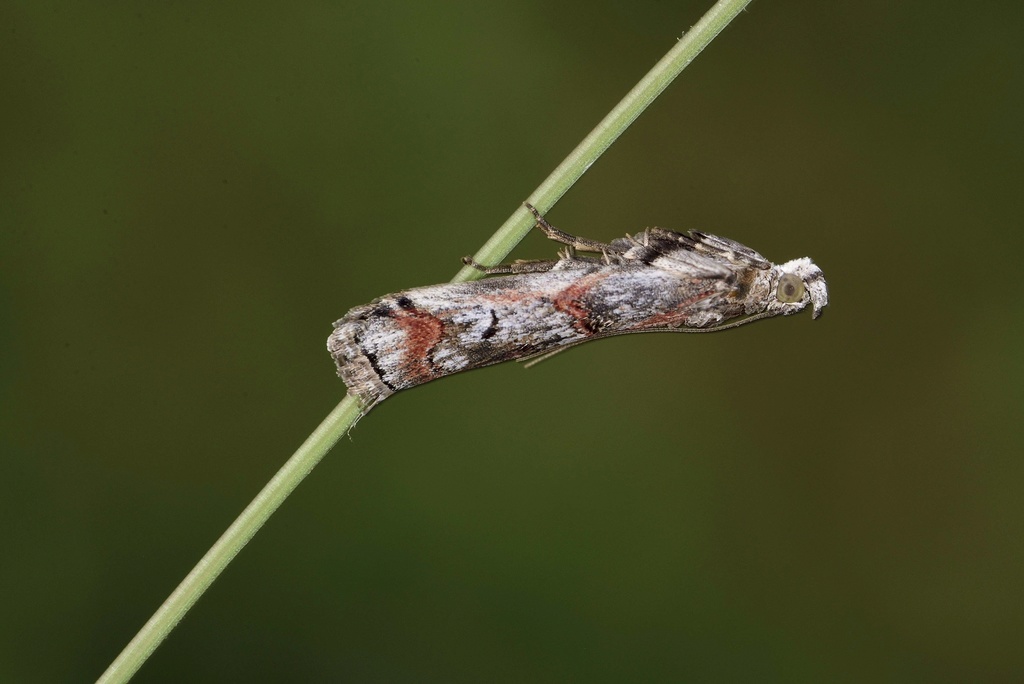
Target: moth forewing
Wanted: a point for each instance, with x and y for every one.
(658, 280)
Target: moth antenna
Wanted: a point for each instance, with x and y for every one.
(725, 326)
(532, 361)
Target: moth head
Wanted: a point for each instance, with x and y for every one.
(800, 283)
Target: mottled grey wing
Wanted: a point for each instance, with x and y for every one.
(691, 256)
(724, 248)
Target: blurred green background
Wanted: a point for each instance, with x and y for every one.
(191, 193)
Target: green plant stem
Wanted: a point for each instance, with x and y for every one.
(346, 413)
(231, 542)
(604, 134)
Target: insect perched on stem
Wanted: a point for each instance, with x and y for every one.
(657, 280)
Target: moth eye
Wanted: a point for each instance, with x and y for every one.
(791, 288)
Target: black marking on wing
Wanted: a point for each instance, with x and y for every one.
(374, 364)
(492, 328)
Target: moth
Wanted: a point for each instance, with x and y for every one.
(655, 281)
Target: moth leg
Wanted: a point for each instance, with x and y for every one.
(516, 267)
(574, 242)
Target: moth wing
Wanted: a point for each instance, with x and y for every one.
(715, 245)
(704, 253)
(673, 252)
(689, 264)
